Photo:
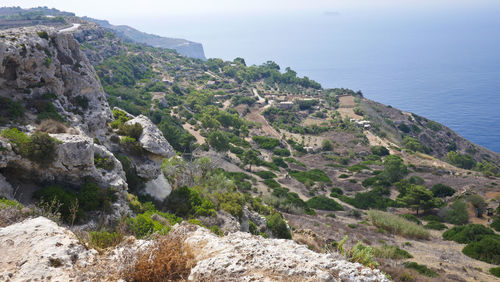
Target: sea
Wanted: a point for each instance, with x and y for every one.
(443, 64)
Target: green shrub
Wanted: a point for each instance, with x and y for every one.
(420, 268)
(279, 162)
(441, 190)
(397, 225)
(487, 249)
(359, 253)
(150, 222)
(65, 198)
(412, 218)
(19, 140)
(435, 225)
(131, 145)
(414, 179)
(265, 174)
(495, 271)
(47, 110)
(231, 202)
(292, 160)
(391, 252)
(313, 175)
(82, 101)
(456, 213)
(11, 109)
(182, 201)
(130, 130)
(278, 226)
(266, 142)
(336, 191)
(467, 233)
(104, 239)
(272, 183)
(282, 152)
(496, 223)
(43, 34)
(380, 151)
(4, 203)
(103, 162)
(252, 228)
(462, 161)
(42, 148)
(323, 203)
(432, 217)
(343, 175)
(120, 118)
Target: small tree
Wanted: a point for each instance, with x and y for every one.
(327, 145)
(394, 168)
(219, 141)
(418, 197)
(478, 203)
(250, 157)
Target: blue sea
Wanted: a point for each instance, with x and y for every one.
(443, 64)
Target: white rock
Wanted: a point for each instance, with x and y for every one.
(152, 140)
(159, 188)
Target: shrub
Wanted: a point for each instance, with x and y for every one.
(104, 239)
(456, 213)
(397, 225)
(131, 145)
(120, 118)
(42, 148)
(4, 203)
(52, 126)
(420, 268)
(11, 109)
(266, 142)
(462, 161)
(278, 226)
(432, 217)
(412, 218)
(441, 190)
(130, 130)
(359, 253)
(495, 271)
(336, 191)
(144, 225)
(323, 203)
(82, 102)
(343, 175)
(394, 169)
(313, 175)
(496, 223)
(380, 151)
(282, 152)
(182, 201)
(487, 249)
(19, 140)
(414, 179)
(391, 252)
(66, 200)
(265, 174)
(272, 183)
(43, 34)
(467, 233)
(435, 225)
(103, 162)
(231, 202)
(168, 259)
(279, 162)
(47, 110)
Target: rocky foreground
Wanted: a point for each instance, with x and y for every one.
(39, 249)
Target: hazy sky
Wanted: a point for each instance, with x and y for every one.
(121, 9)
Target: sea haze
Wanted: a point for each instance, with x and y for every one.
(444, 65)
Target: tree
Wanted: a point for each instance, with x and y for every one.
(219, 141)
(327, 145)
(250, 157)
(441, 190)
(478, 203)
(394, 168)
(418, 197)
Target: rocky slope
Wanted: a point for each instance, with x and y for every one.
(32, 255)
(183, 46)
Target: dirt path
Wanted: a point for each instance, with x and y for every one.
(189, 128)
(255, 115)
(70, 29)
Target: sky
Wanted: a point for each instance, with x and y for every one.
(117, 10)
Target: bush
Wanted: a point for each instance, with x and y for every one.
(487, 249)
(412, 218)
(130, 130)
(151, 222)
(272, 183)
(420, 268)
(104, 239)
(282, 152)
(279, 162)
(391, 252)
(278, 226)
(336, 191)
(467, 233)
(441, 190)
(265, 174)
(103, 162)
(52, 126)
(66, 200)
(435, 225)
(397, 225)
(168, 259)
(495, 271)
(182, 201)
(496, 223)
(432, 217)
(343, 175)
(120, 118)
(456, 213)
(462, 161)
(43, 34)
(380, 151)
(292, 160)
(324, 203)
(42, 148)
(313, 175)
(266, 142)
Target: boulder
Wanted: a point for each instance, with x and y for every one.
(152, 139)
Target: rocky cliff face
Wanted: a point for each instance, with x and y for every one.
(44, 71)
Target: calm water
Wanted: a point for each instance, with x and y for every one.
(444, 65)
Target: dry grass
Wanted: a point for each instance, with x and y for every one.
(397, 225)
(52, 126)
(168, 259)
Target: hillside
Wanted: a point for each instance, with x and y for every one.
(157, 141)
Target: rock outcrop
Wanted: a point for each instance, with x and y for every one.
(38, 249)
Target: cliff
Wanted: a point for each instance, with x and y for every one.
(127, 33)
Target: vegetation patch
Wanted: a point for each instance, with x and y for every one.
(264, 142)
(420, 268)
(487, 249)
(278, 226)
(324, 203)
(435, 225)
(467, 233)
(391, 252)
(311, 175)
(397, 225)
(265, 174)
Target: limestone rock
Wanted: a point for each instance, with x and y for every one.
(159, 188)
(152, 140)
(38, 249)
(6, 189)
